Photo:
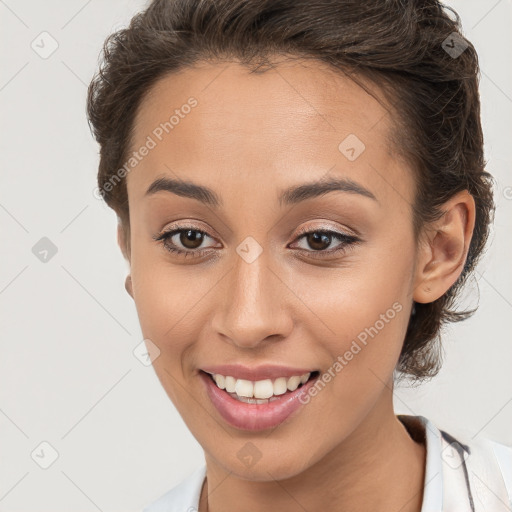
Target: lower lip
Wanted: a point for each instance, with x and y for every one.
(255, 416)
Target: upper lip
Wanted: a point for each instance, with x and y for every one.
(255, 373)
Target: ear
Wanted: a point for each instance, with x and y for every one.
(121, 241)
(128, 286)
(443, 251)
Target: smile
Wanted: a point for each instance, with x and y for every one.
(261, 391)
(257, 405)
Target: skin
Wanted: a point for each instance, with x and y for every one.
(249, 137)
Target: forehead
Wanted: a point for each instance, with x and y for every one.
(220, 124)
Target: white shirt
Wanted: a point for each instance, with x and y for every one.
(460, 476)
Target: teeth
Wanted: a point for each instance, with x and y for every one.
(220, 380)
(261, 389)
(280, 386)
(293, 383)
(244, 388)
(230, 384)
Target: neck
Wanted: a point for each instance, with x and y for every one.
(377, 467)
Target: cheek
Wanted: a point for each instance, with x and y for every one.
(165, 307)
(164, 293)
(366, 345)
(172, 306)
(364, 315)
(363, 353)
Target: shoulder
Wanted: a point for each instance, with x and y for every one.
(488, 467)
(481, 453)
(480, 469)
(461, 472)
(184, 497)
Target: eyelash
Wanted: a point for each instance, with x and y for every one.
(347, 241)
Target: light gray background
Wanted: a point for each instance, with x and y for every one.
(68, 328)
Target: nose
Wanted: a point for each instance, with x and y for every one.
(252, 304)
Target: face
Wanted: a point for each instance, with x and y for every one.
(270, 277)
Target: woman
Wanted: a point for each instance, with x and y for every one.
(301, 196)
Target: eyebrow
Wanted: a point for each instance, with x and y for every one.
(298, 193)
(291, 195)
(185, 189)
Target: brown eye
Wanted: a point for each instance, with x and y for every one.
(318, 240)
(191, 238)
(186, 241)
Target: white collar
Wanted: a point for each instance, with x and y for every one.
(433, 482)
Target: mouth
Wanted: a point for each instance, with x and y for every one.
(257, 405)
(260, 391)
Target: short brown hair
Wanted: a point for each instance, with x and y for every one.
(402, 46)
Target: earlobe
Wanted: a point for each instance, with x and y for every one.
(121, 241)
(442, 255)
(128, 285)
